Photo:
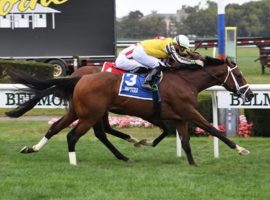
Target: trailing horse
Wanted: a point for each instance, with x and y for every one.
(71, 116)
(179, 89)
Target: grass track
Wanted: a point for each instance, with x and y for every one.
(155, 174)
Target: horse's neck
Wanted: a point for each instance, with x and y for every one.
(199, 79)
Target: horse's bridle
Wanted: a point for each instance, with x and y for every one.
(230, 72)
(238, 88)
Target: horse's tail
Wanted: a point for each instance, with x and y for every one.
(61, 87)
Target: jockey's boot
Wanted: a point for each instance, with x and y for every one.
(148, 80)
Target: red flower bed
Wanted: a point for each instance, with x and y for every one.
(244, 128)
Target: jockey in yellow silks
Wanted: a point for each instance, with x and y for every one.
(149, 53)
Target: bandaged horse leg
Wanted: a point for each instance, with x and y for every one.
(100, 134)
(73, 136)
(182, 128)
(55, 128)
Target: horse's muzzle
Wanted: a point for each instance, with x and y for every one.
(248, 96)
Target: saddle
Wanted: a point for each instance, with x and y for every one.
(110, 67)
(142, 71)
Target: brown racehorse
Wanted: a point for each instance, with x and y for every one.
(179, 89)
(71, 116)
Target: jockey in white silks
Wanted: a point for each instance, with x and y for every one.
(149, 53)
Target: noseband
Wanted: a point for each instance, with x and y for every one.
(230, 72)
(238, 88)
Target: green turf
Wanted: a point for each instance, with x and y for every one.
(156, 173)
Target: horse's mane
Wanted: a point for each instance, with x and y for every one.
(208, 61)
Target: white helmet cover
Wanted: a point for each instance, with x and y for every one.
(182, 41)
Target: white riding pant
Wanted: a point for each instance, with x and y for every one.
(134, 57)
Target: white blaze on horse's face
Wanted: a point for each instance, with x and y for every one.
(237, 84)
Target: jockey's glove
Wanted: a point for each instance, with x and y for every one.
(199, 62)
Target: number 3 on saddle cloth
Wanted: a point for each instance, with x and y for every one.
(131, 84)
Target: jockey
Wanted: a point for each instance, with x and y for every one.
(148, 53)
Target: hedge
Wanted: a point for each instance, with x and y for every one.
(260, 119)
(36, 69)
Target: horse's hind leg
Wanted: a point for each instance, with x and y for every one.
(74, 135)
(99, 133)
(108, 129)
(56, 127)
(182, 128)
(157, 140)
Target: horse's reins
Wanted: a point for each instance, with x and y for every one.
(222, 83)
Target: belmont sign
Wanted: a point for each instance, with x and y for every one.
(227, 99)
(12, 95)
(261, 99)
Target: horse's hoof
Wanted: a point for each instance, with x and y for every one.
(143, 142)
(27, 149)
(192, 164)
(242, 151)
(146, 143)
(137, 144)
(130, 161)
(133, 140)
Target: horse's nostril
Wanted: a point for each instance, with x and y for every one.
(250, 96)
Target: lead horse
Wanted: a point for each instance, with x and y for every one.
(179, 89)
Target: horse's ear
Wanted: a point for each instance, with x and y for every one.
(230, 61)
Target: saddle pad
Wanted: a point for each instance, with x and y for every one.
(109, 67)
(131, 87)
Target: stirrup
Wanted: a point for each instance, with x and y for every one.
(147, 86)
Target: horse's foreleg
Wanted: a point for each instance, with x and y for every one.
(182, 128)
(99, 133)
(214, 132)
(204, 124)
(108, 129)
(55, 128)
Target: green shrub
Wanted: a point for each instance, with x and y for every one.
(37, 69)
(260, 119)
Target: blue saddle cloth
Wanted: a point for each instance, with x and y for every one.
(131, 87)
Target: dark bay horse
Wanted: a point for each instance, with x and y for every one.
(179, 89)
